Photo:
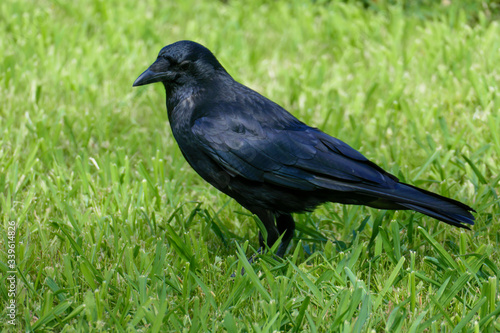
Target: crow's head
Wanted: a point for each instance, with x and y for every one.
(181, 63)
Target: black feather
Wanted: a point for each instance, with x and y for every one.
(258, 153)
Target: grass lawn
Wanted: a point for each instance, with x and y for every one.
(115, 232)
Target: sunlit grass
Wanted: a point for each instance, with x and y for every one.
(117, 233)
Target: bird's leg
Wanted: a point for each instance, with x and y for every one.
(267, 219)
(286, 225)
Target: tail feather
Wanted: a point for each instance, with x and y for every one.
(452, 219)
(444, 209)
(403, 196)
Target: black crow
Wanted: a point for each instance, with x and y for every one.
(274, 165)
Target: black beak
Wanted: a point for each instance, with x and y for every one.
(157, 72)
(148, 77)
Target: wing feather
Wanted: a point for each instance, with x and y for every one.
(299, 157)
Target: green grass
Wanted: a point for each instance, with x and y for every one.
(115, 232)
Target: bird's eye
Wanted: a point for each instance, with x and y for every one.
(185, 64)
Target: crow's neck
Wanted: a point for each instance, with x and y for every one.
(181, 103)
(182, 99)
(177, 95)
